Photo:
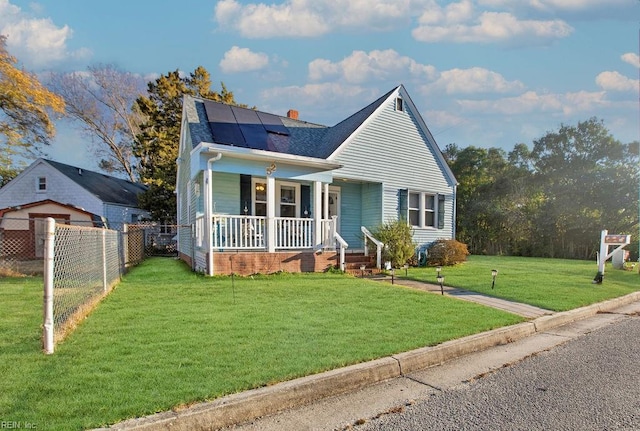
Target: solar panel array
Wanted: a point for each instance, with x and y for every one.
(242, 127)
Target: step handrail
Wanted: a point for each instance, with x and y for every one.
(343, 247)
(379, 244)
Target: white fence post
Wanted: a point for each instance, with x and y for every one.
(49, 242)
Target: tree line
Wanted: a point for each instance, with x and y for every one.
(551, 200)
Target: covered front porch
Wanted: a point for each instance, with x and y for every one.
(252, 203)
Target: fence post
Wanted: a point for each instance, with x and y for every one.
(124, 238)
(49, 242)
(104, 259)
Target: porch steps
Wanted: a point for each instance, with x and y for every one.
(355, 261)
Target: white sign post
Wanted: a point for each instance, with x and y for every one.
(607, 240)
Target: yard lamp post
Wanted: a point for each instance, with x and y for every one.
(362, 268)
(440, 279)
(494, 273)
(406, 269)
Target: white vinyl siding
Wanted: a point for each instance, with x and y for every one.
(392, 149)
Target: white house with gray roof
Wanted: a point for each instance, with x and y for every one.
(111, 198)
(268, 192)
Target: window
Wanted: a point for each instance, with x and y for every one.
(399, 104)
(41, 184)
(429, 211)
(288, 202)
(422, 210)
(414, 209)
(260, 199)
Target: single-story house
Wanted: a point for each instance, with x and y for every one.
(111, 198)
(22, 226)
(268, 192)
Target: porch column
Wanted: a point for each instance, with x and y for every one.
(271, 214)
(317, 214)
(326, 202)
(208, 218)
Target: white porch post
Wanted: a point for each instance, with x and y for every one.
(208, 218)
(271, 214)
(326, 202)
(317, 214)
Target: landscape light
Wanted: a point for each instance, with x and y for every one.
(494, 273)
(440, 279)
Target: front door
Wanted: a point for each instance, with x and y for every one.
(334, 204)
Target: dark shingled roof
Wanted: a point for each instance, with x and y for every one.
(108, 189)
(302, 139)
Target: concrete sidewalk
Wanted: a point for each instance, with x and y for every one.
(246, 406)
(524, 310)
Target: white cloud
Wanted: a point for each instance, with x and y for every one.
(488, 27)
(614, 81)
(36, 41)
(362, 67)
(311, 18)
(313, 94)
(632, 58)
(243, 60)
(473, 80)
(532, 102)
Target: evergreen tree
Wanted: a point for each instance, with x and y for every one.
(157, 144)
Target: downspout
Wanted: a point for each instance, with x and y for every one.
(208, 212)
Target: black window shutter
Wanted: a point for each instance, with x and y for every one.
(440, 211)
(245, 194)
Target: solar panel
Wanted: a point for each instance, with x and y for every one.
(243, 127)
(273, 123)
(255, 135)
(223, 124)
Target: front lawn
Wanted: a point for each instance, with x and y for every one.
(554, 284)
(166, 337)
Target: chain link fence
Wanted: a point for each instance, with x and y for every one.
(21, 247)
(79, 264)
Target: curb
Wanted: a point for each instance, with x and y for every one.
(245, 406)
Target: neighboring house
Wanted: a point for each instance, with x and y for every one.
(111, 198)
(269, 193)
(22, 226)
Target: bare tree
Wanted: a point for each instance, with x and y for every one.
(101, 100)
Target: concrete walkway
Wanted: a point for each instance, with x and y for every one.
(524, 310)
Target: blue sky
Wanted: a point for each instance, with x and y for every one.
(488, 73)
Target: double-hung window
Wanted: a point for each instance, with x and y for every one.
(422, 209)
(41, 184)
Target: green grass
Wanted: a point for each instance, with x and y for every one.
(166, 337)
(554, 284)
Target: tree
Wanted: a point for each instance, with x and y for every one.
(25, 104)
(101, 101)
(157, 143)
(590, 183)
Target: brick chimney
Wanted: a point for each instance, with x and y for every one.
(293, 114)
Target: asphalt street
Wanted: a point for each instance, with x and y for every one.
(590, 383)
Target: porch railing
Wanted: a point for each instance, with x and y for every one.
(240, 232)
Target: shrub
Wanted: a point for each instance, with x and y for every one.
(397, 237)
(445, 252)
